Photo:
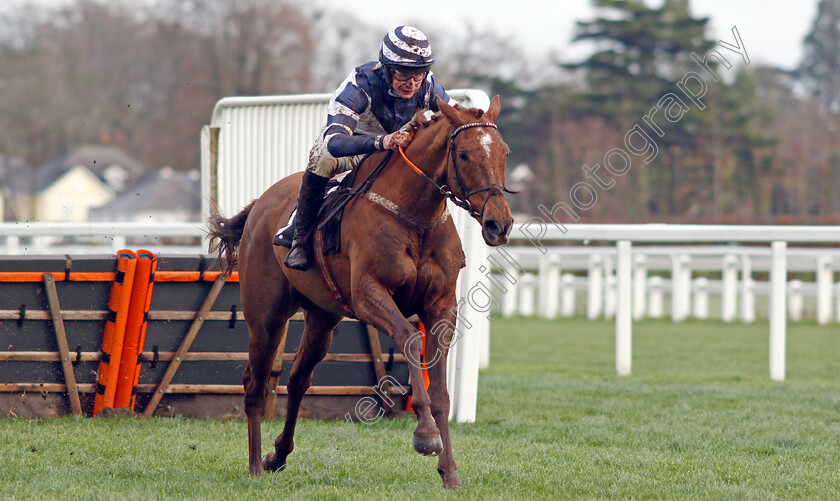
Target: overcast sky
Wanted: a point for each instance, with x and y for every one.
(772, 30)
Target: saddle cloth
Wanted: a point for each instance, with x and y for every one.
(337, 187)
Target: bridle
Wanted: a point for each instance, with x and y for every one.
(462, 199)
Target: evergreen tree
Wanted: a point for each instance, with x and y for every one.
(819, 70)
(736, 147)
(642, 52)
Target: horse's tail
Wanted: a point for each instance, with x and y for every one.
(228, 233)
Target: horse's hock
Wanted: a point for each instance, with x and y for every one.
(53, 317)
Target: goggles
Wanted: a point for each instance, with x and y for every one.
(402, 76)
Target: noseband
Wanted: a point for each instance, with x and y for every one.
(462, 199)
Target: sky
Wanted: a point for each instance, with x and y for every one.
(772, 30)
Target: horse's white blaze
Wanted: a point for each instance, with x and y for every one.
(485, 140)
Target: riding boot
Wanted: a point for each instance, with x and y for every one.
(310, 197)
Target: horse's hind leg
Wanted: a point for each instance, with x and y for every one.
(442, 335)
(317, 336)
(265, 337)
(267, 302)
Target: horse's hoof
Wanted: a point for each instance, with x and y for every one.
(450, 478)
(453, 484)
(270, 463)
(428, 445)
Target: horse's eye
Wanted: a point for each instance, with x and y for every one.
(463, 156)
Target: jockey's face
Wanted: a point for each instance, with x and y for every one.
(405, 84)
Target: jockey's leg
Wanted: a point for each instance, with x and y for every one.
(309, 201)
(322, 166)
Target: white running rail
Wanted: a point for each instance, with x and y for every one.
(543, 235)
(91, 238)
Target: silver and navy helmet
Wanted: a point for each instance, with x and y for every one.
(407, 47)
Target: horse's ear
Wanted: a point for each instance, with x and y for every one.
(449, 112)
(493, 111)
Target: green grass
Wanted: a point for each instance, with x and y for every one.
(698, 419)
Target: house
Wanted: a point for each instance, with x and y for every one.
(164, 195)
(65, 189)
(56, 195)
(117, 169)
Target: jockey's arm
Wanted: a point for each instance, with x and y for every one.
(342, 141)
(345, 109)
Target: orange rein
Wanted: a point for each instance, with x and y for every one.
(409, 162)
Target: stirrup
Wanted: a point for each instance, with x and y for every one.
(298, 264)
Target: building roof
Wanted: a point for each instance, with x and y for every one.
(27, 180)
(7, 164)
(98, 159)
(164, 190)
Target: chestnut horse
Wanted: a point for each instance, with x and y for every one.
(400, 255)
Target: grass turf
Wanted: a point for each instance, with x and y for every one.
(698, 419)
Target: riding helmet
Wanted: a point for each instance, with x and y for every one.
(407, 47)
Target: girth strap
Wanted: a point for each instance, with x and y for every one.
(335, 293)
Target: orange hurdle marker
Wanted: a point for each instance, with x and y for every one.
(135, 329)
(422, 329)
(112, 340)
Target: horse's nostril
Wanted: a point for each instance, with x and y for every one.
(492, 227)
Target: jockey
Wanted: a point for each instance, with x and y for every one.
(365, 114)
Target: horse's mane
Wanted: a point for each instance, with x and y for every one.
(475, 112)
(424, 122)
(431, 120)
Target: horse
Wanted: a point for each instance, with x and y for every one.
(400, 255)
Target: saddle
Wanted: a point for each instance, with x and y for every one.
(337, 193)
(333, 205)
(327, 238)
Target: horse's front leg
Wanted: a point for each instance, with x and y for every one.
(374, 305)
(441, 333)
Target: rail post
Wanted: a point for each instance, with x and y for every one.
(778, 286)
(624, 308)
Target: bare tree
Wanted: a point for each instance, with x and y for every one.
(144, 76)
(69, 79)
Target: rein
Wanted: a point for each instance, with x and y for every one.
(361, 190)
(444, 189)
(358, 191)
